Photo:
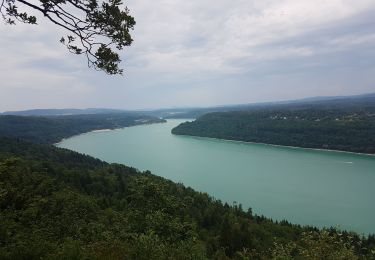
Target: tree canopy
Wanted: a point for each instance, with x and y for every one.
(96, 29)
(337, 126)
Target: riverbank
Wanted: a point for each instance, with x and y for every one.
(341, 130)
(109, 130)
(279, 145)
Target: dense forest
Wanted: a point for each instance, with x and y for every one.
(58, 204)
(345, 126)
(54, 128)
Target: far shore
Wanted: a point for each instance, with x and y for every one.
(226, 140)
(279, 145)
(101, 130)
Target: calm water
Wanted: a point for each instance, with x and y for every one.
(303, 186)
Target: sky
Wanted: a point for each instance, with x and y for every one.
(200, 53)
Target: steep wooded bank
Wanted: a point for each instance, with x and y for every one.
(59, 204)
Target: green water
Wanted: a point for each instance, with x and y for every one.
(303, 186)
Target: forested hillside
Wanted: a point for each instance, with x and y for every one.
(58, 204)
(52, 129)
(337, 126)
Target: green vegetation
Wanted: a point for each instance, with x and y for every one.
(58, 204)
(338, 127)
(54, 128)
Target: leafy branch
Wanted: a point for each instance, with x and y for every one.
(96, 30)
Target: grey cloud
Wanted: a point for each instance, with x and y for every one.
(201, 53)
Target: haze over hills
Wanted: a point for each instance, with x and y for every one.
(193, 112)
(62, 112)
(325, 98)
(313, 102)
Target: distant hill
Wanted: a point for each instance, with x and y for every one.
(60, 112)
(314, 102)
(326, 98)
(195, 112)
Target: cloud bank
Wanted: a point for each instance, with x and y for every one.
(194, 53)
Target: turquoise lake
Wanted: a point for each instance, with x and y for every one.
(303, 186)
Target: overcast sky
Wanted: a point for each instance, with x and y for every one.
(200, 53)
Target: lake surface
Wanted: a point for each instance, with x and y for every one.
(304, 186)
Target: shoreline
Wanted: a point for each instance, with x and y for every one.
(84, 133)
(104, 130)
(101, 130)
(280, 146)
(221, 139)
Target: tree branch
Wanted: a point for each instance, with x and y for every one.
(99, 28)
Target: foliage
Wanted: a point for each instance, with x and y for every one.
(58, 204)
(96, 28)
(53, 129)
(317, 245)
(340, 128)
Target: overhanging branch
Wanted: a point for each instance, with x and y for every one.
(92, 33)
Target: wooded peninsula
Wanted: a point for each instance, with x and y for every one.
(344, 125)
